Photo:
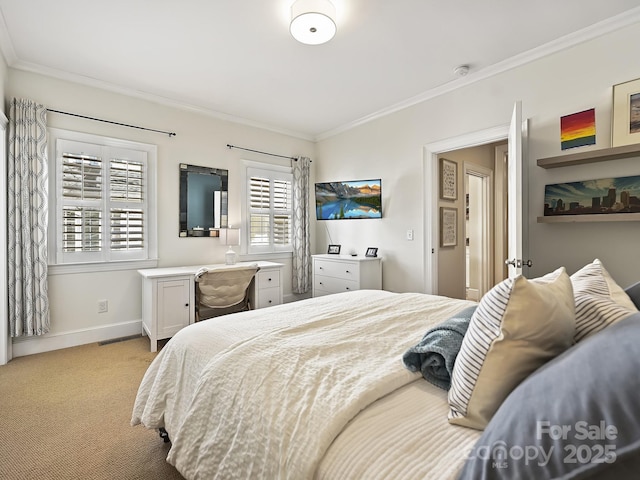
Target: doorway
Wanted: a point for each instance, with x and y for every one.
(479, 230)
(443, 277)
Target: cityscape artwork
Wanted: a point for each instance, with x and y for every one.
(603, 196)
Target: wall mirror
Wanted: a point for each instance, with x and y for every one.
(203, 200)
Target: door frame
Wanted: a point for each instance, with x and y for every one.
(430, 159)
(488, 230)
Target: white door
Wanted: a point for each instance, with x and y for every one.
(517, 203)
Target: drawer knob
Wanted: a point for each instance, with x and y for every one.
(347, 288)
(186, 304)
(270, 301)
(321, 268)
(320, 283)
(269, 279)
(348, 271)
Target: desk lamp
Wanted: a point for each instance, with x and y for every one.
(230, 237)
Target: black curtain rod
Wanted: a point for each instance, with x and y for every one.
(229, 146)
(171, 134)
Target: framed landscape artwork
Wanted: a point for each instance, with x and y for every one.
(578, 129)
(626, 114)
(603, 196)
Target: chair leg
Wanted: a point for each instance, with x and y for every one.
(164, 435)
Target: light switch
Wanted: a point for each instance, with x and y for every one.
(409, 234)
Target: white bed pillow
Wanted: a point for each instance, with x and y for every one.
(600, 301)
(518, 326)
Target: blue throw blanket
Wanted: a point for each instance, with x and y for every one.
(436, 354)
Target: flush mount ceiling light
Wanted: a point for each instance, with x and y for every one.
(313, 21)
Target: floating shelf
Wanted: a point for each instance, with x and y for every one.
(604, 217)
(604, 154)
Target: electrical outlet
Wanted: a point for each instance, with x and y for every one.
(103, 306)
(409, 234)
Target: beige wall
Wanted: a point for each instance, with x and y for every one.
(392, 147)
(200, 140)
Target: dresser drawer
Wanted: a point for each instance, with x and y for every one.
(342, 270)
(268, 279)
(268, 297)
(333, 285)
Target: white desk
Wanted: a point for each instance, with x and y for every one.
(168, 296)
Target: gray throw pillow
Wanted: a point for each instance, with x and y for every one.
(577, 417)
(634, 294)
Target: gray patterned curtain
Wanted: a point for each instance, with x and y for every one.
(27, 192)
(301, 270)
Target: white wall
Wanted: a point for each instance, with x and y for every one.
(4, 73)
(391, 147)
(200, 140)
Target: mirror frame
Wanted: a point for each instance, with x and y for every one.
(185, 170)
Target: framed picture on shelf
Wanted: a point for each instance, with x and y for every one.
(448, 179)
(334, 249)
(625, 128)
(371, 252)
(448, 227)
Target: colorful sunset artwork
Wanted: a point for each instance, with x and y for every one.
(578, 129)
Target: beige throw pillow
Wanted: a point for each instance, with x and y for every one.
(518, 326)
(600, 301)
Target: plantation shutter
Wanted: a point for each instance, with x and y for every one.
(126, 187)
(259, 211)
(81, 203)
(282, 212)
(103, 203)
(270, 202)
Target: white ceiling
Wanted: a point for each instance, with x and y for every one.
(236, 59)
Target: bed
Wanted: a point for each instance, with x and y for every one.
(316, 389)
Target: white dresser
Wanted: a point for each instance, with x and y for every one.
(168, 296)
(342, 273)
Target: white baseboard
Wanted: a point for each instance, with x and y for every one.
(46, 343)
(294, 297)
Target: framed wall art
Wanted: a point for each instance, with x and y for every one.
(334, 249)
(625, 128)
(578, 129)
(615, 195)
(448, 227)
(448, 179)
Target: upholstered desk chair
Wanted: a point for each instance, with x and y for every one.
(220, 291)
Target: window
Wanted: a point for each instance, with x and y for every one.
(103, 208)
(269, 209)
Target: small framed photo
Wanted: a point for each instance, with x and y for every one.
(448, 179)
(371, 252)
(334, 249)
(626, 114)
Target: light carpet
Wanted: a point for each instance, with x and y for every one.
(65, 415)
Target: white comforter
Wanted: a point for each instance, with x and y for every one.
(263, 394)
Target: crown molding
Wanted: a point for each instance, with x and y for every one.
(596, 30)
(158, 99)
